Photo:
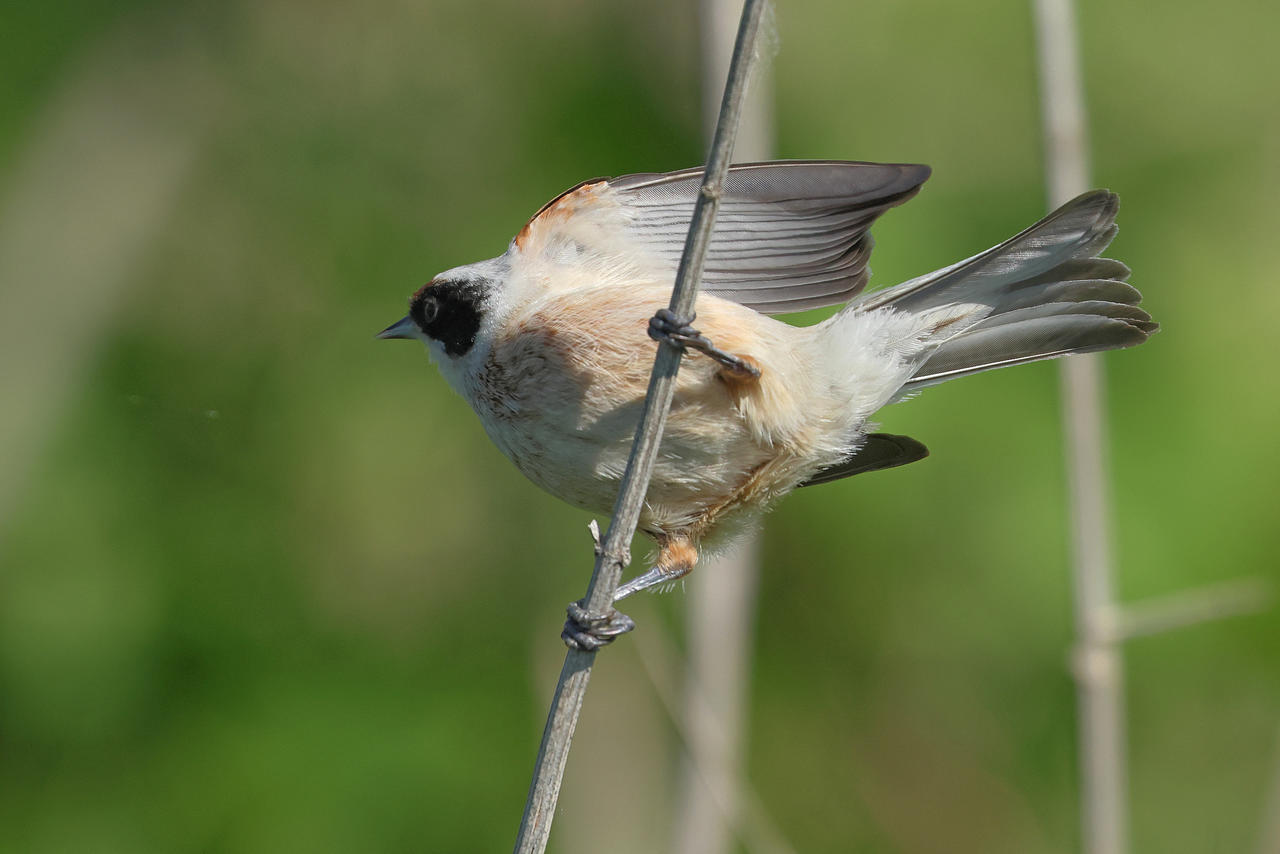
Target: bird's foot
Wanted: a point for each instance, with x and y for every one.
(590, 632)
(667, 326)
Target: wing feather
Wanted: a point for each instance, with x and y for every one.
(790, 235)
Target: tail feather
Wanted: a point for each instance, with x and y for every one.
(1026, 341)
(1101, 308)
(1071, 290)
(1041, 294)
(1081, 269)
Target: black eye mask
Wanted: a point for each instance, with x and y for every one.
(450, 311)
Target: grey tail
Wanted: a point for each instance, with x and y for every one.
(1041, 294)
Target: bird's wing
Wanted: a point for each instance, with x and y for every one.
(880, 451)
(790, 235)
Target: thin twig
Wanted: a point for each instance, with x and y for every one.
(614, 555)
(1179, 610)
(1098, 665)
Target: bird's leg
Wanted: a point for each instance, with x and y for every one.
(653, 578)
(676, 558)
(678, 552)
(668, 327)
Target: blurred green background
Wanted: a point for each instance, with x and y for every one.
(265, 585)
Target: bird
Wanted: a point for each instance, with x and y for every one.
(552, 342)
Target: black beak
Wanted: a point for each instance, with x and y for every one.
(402, 328)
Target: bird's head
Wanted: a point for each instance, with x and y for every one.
(447, 311)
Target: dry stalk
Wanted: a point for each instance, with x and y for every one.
(614, 553)
(1097, 661)
(720, 604)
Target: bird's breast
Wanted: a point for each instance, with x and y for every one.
(561, 390)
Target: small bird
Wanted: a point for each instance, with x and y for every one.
(552, 342)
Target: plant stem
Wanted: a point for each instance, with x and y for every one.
(1098, 666)
(720, 601)
(614, 555)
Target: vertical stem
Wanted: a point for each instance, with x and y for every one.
(716, 20)
(1098, 668)
(720, 630)
(553, 753)
(720, 615)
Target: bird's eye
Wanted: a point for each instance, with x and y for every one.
(430, 308)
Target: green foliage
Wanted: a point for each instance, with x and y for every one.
(266, 586)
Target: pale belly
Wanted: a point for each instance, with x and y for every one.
(567, 420)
